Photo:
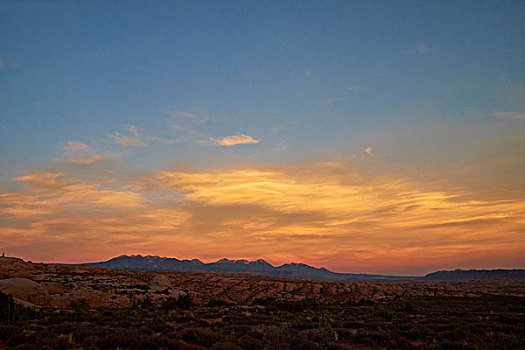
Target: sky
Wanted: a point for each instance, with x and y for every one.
(361, 136)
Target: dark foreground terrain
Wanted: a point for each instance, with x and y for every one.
(420, 323)
(54, 307)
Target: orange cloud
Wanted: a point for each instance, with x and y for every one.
(43, 180)
(345, 197)
(54, 189)
(326, 214)
(237, 139)
(322, 209)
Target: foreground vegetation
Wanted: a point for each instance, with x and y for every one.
(488, 322)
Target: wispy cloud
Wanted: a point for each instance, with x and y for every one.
(368, 150)
(129, 141)
(333, 189)
(75, 152)
(75, 146)
(237, 139)
(186, 125)
(133, 138)
(353, 88)
(509, 115)
(195, 115)
(90, 159)
(139, 138)
(421, 49)
(185, 115)
(58, 189)
(280, 148)
(50, 180)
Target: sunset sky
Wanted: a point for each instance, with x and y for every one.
(362, 136)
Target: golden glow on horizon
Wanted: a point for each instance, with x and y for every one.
(325, 214)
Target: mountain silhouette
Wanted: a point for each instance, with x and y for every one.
(292, 270)
(227, 266)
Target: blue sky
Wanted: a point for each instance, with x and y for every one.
(431, 91)
(292, 72)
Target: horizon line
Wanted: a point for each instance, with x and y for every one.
(276, 265)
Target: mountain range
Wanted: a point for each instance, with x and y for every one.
(293, 270)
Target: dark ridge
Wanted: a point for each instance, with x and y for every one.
(227, 266)
(475, 274)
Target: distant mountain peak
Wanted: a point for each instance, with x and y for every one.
(261, 262)
(239, 261)
(296, 264)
